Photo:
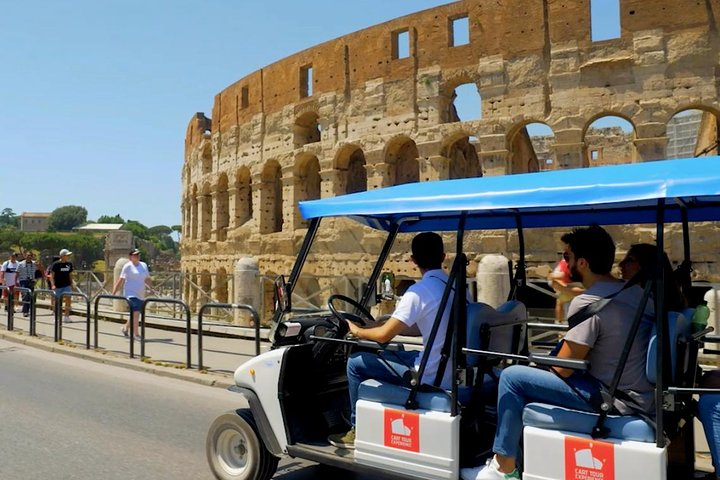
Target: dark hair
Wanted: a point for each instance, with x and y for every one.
(428, 250)
(593, 244)
(646, 255)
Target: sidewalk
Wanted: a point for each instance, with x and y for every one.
(165, 345)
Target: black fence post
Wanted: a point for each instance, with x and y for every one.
(188, 327)
(238, 306)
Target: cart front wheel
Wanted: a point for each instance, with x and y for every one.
(235, 450)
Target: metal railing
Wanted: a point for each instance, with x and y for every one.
(238, 306)
(188, 330)
(96, 329)
(59, 310)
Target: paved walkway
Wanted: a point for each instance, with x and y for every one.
(224, 349)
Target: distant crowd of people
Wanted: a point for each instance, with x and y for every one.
(26, 273)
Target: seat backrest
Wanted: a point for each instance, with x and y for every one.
(678, 328)
(502, 330)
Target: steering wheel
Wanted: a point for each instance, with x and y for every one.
(363, 319)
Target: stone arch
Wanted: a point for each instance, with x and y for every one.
(194, 201)
(609, 139)
(462, 156)
(352, 174)
(401, 154)
(222, 208)
(243, 196)
(206, 158)
(306, 129)
(271, 198)
(205, 283)
(693, 131)
(532, 147)
(221, 286)
(205, 212)
(306, 182)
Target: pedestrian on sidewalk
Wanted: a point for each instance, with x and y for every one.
(8, 277)
(27, 270)
(133, 278)
(61, 280)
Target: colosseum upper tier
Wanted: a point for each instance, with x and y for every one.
(376, 108)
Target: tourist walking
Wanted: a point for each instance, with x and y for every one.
(132, 280)
(27, 270)
(8, 277)
(61, 280)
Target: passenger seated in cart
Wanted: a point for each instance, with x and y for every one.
(641, 257)
(590, 254)
(418, 306)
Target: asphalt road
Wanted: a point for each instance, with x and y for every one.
(67, 418)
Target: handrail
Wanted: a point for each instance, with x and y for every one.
(187, 320)
(33, 308)
(59, 308)
(132, 327)
(239, 306)
(10, 304)
(20, 290)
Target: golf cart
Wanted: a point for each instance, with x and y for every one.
(297, 391)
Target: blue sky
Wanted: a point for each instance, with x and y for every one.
(96, 95)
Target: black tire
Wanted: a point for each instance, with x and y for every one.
(235, 450)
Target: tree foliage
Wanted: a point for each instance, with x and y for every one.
(110, 219)
(8, 218)
(86, 247)
(66, 218)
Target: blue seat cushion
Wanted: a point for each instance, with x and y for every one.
(552, 417)
(384, 392)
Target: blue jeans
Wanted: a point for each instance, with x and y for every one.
(362, 366)
(709, 415)
(520, 385)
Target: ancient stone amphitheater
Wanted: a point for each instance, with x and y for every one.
(376, 108)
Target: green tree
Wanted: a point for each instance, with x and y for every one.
(108, 219)
(8, 218)
(138, 229)
(160, 230)
(66, 218)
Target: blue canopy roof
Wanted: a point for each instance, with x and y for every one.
(610, 195)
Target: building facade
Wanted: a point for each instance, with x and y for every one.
(375, 108)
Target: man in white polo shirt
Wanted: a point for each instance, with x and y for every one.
(133, 278)
(418, 306)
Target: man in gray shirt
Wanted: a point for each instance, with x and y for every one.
(590, 254)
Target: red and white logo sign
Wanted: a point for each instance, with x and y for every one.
(589, 459)
(402, 430)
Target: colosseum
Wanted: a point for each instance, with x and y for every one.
(378, 107)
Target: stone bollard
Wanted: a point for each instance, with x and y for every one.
(712, 297)
(119, 305)
(493, 280)
(248, 289)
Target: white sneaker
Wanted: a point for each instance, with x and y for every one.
(66, 319)
(489, 471)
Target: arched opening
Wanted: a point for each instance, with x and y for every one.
(463, 157)
(306, 129)
(206, 158)
(532, 148)
(243, 196)
(222, 208)
(307, 182)
(205, 213)
(194, 213)
(221, 285)
(205, 294)
(272, 198)
(465, 104)
(402, 155)
(693, 133)
(352, 175)
(609, 140)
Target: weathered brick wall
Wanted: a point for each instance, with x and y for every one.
(373, 120)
